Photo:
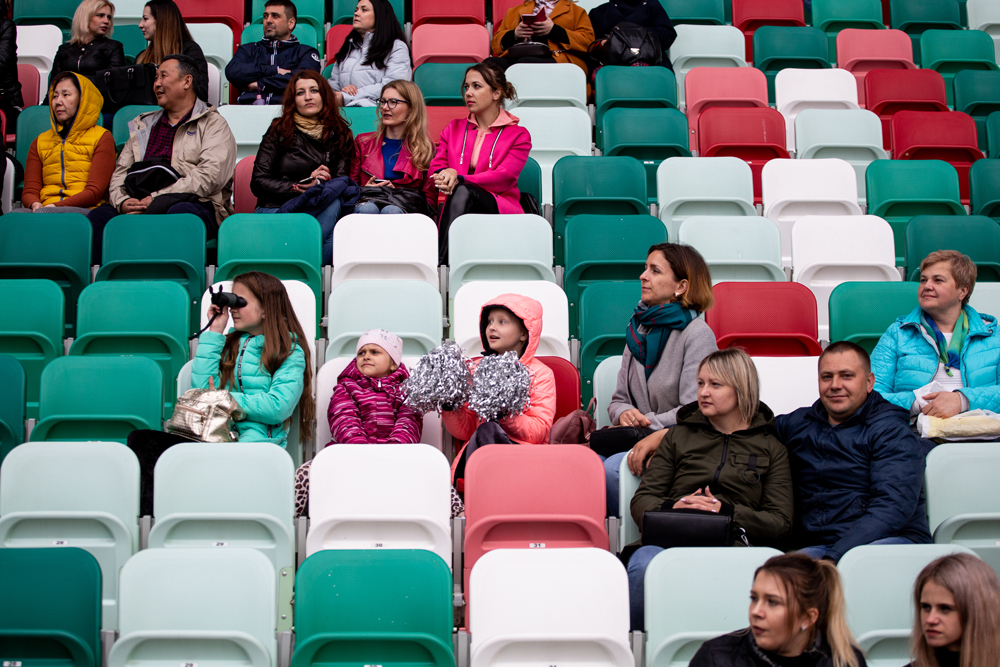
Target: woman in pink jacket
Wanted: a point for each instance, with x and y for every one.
(480, 158)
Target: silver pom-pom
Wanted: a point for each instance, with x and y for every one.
(500, 387)
(440, 378)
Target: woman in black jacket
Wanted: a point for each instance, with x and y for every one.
(648, 14)
(163, 27)
(11, 102)
(307, 144)
(90, 50)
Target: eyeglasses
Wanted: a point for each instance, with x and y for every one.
(390, 103)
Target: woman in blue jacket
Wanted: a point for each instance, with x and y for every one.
(943, 340)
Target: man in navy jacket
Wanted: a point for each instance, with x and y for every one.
(263, 69)
(857, 466)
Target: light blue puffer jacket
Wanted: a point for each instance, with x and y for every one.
(268, 400)
(906, 359)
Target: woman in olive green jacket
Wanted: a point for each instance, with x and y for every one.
(721, 457)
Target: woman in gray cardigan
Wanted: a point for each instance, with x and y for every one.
(665, 342)
(373, 54)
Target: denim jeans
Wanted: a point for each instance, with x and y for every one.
(636, 569)
(327, 219)
(370, 207)
(819, 552)
(611, 467)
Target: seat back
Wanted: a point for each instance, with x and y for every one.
(705, 46)
(605, 309)
(790, 327)
(460, 43)
(796, 90)
(707, 87)
(216, 42)
(229, 12)
(985, 15)
(412, 255)
(787, 383)
(736, 248)
(31, 332)
(30, 80)
(37, 45)
(648, 135)
(363, 119)
(954, 515)
(852, 135)
(975, 236)
(748, 15)
(530, 180)
(754, 135)
(248, 124)
(124, 116)
(12, 404)
(548, 85)
(523, 252)
(977, 93)
(915, 19)
(948, 136)
(555, 133)
(633, 87)
(861, 51)
(567, 379)
(312, 12)
(605, 381)
(628, 484)
(703, 186)
(993, 134)
(780, 47)
(860, 312)
(412, 311)
(833, 16)
(243, 197)
(950, 51)
(889, 91)
(984, 186)
(441, 83)
(696, 12)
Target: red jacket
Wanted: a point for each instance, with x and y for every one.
(369, 165)
(371, 410)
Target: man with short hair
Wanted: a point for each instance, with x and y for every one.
(857, 465)
(189, 136)
(263, 69)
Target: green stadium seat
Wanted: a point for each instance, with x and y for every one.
(32, 331)
(976, 236)
(530, 180)
(413, 311)
(391, 607)
(783, 47)
(361, 119)
(696, 12)
(977, 93)
(948, 52)
(605, 310)
(736, 248)
(12, 404)
(306, 33)
(52, 12)
(31, 122)
(74, 494)
(124, 116)
(57, 618)
(832, 16)
(901, 189)
(993, 134)
(984, 188)
(132, 39)
(441, 83)
(605, 248)
(106, 398)
(703, 186)
(602, 185)
(860, 312)
(522, 252)
(635, 87)
(648, 135)
(914, 18)
(312, 12)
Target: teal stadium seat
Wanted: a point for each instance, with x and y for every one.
(860, 312)
(914, 18)
(993, 134)
(132, 40)
(976, 236)
(441, 83)
(736, 248)
(696, 12)
(948, 52)
(361, 119)
(32, 330)
(412, 311)
(782, 47)
(984, 186)
(633, 87)
(703, 186)
(648, 135)
(124, 116)
(832, 16)
(977, 93)
(522, 252)
(12, 402)
(31, 122)
(605, 311)
(530, 180)
(52, 12)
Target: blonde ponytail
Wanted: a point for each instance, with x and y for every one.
(838, 635)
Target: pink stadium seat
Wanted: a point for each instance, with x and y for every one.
(229, 12)
(335, 38)
(449, 11)
(533, 496)
(500, 9)
(860, 51)
(753, 135)
(889, 91)
(567, 384)
(439, 117)
(748, 15)
(709, 87)
(938, 135)
(30, 80)
(245, 201)
(765, 319)
(462, 43)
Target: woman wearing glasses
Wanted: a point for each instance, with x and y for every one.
(391, 162)
(308, 144)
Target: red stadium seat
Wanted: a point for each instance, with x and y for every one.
(860, 51)
(245, 200)
(533, 496)
(753, 135)
(500, 9)
(439, 117)
(765, 319)
(335, 38)
(567, 384)
(462, 43)
(938, 135)
(30, 80)
(229, 12)
(709, 87)
(889, 91)
(449, 11)
(748, 15)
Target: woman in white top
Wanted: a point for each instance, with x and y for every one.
(374, 54)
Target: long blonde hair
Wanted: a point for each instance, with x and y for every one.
(81, 20)
(976, 590)
(415, 136)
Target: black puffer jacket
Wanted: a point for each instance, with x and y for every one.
(88, 59)
(738, 649)
(280, 166)
(10, 87)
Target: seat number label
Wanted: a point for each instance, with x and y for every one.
(214, 544)
(378, 545)
(11, 663)
(536, 545)
(189, 664)
(56, 543)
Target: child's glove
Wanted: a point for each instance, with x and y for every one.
(501, 387)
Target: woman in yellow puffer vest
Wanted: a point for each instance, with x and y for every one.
(69, 167)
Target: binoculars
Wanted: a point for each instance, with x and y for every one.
(227, 300)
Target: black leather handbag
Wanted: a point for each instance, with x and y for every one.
(630, 44)
(410, 200)
(122, 86)
(689, 528)
(529, 50)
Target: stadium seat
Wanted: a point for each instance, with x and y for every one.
(216, 86)
(361, 119)
(215, 40)
(753, 135)
(472, 296)
(977, 93)
(555, 133)
(878, 589)
(797, 188)
(124, 116)
(602, 248)
(560, 502)
(930, 135)
(829, 250)
(648, 135)
(448, 12)
(133, 41)
(243, 197)
(985, 15)
(888, 92)
(635, 87)
(705, 46)
(605, 380)
(695, 594)
(411, 310)
(335, 38)
(703, 186)
(409, 507)
(993, 134)
(37, 45)
(628, 483)
(605, 186)
(901, 189)
(799, 89)
(986, 298)
(950, 51)
(306, 33)
(58, 615)
(550, 605)
(748, 15)
(437, 119)
(74, 494)
(851, 135)
(12, 404)
(605, 311)
(780, 47)
(342, 11)
(311, 12)
(228, 12)
(696, 12)
(914, 18)
(31, 122)
(567, 379)
(736, 248)
(412, 255)
(129, 12)
(522, 251)
(30, 80)
(441, 83)
(765, 319)
(708, 87)
(546, 85)
(461, 43)
(7, 196)
(197, 605)
(248, 124)
(984, 188)
(45, 12)
(975, 236)
(788, 383)
(861, 51)
(833, 16)
(32, 331)
(860, 312)
(391, 607)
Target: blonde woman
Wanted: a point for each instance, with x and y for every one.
(398, 152)
(957, 600)
(90, 50)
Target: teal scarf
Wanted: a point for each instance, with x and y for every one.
(949, 354)
(659, 322)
